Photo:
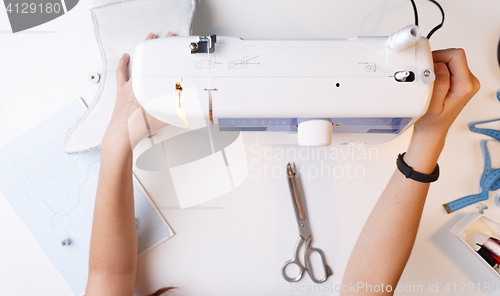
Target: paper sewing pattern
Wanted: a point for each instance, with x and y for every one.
(54, 194)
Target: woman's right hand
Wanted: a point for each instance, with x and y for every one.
(454, 86)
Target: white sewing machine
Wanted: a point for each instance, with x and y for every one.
(288, 91)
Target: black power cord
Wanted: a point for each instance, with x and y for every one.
(439, 26)
(415, 11)
(442, 20)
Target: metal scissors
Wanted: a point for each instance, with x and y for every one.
(304, 236)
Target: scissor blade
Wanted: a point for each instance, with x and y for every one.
(294, 191)
(300, 214)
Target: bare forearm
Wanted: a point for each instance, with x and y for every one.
(386, 241)
(113, 247)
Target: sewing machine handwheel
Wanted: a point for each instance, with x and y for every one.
(316, 132)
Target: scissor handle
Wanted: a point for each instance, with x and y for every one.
(309, 250)
(295, 261)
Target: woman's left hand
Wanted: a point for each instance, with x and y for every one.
(117, 136)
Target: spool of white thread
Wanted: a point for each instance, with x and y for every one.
(403, 38)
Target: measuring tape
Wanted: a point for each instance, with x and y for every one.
(490, 180)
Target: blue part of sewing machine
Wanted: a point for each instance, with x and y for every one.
(340, 125)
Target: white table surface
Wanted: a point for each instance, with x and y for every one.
(237, 243)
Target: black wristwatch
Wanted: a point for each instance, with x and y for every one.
(408, 171)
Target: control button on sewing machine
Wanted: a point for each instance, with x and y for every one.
(316, 132)
(404, 76)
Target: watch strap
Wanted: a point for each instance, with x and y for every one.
(408, 171)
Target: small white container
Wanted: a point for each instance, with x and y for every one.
(467, 228)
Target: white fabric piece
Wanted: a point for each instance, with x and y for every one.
(200, 181)
(119, 27)
(235, 154)
(203, 164)
(97, 3)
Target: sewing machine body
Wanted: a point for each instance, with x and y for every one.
(271, 86)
